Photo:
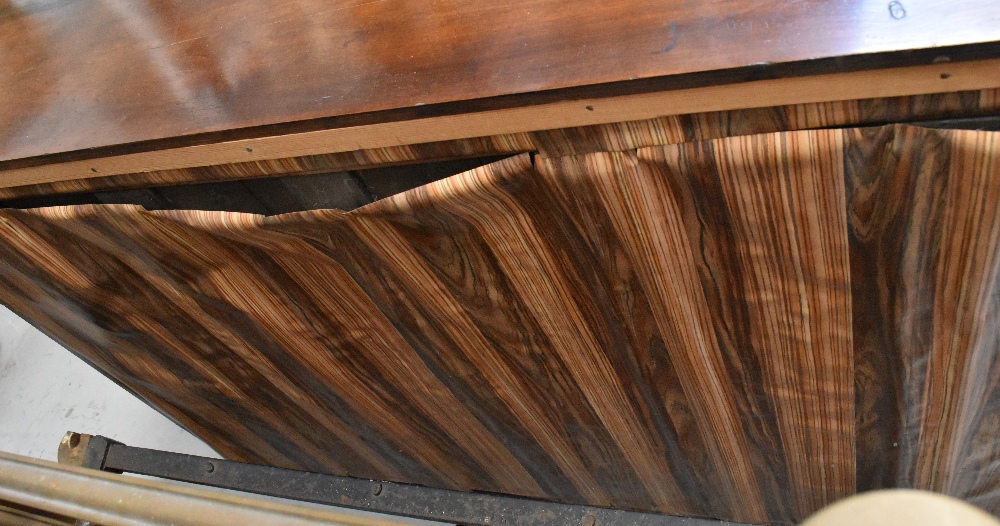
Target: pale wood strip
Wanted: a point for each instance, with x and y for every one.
(934, 78)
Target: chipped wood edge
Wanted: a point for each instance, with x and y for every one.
(892, 82)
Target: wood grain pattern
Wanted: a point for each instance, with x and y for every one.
(744, 328)
(77, 75)
(616, 136)
(924, 253)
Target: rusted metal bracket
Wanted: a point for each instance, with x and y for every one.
(464, 508)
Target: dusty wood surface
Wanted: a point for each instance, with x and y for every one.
(744, 328)
(78, 75)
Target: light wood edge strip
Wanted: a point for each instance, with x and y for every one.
(893, 82)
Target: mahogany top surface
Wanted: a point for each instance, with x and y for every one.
(125, 76)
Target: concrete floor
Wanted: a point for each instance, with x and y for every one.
(47, 391)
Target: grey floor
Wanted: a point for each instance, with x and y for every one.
(46, 391)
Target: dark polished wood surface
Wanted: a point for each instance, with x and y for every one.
(76, 75)
(744, 328)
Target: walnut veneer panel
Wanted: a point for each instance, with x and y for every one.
(744, 328)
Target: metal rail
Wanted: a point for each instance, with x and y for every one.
(466, 508)
(38, 492)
